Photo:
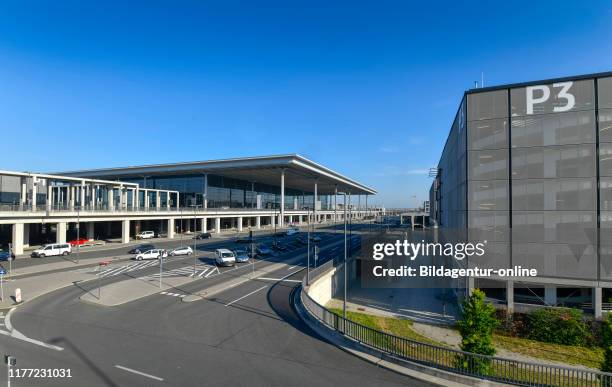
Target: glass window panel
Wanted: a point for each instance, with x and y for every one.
(553, 162)
(487, 105)
(582, 92)
(488, 164)
(554, 129)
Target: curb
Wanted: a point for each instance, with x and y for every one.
(382, 359)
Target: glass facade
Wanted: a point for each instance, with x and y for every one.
(538, 175)
(225, 192)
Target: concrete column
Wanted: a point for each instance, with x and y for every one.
(168, 200)
(147, 200)
(510, 297)
(204, 225)
(92, 195)
(336, 203)
(315, 198)
(206, 190)
(82, 194)
(282, 203)
(49, 194)
(258, 222)
(550, 295)
(125, 231)
(71, 196)
(24, 191)
(157, 199)
(239, 223)
(178, 201)
(17, 238)
(134, 197)
(170, 228)
(217, 225)
(26, 235)
(272, 220)
(60, 233)
(597, 300)
(90, 231)
(111, 199)
(290, 219)
(34, 191)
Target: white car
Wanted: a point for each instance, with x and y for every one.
(225, 257)
(292, 231)
(51, 250)
(145, 235)
(152, 254)
(183, 250)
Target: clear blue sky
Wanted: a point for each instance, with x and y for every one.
(366, 88)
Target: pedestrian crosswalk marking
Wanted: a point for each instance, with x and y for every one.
(173, 294)
(186, 271)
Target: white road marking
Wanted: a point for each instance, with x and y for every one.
(246, 295)
(139, 373)
(278, 279)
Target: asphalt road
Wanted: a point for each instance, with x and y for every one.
(245, 335)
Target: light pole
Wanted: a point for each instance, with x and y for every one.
(345, 262)
(78, 227)
(195, 209)
(308, 254)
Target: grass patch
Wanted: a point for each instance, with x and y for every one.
(391, 325)
(569, 354)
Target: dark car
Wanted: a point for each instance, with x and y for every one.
(315, 238)
(6, 256)
(302, 240)
(244, 240)
(279, 246)
(263, 250)
(141, 249)
(203, 235)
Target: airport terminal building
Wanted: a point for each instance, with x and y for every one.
(206, 196)
(528, 167)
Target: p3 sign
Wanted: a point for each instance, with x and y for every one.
(542, 93)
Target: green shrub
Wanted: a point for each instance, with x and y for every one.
(559, 326)
(476, 327)
(606, 339)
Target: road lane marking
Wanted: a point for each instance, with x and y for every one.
(139, 373)
(246, 295)
(278, 279)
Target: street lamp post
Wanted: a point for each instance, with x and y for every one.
(345, 262)
(78, 227)
(195, 209)
(308, 254)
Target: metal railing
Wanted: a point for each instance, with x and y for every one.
(481, 366)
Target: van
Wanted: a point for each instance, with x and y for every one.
(51, 250)
(145, 235)
(225, 257)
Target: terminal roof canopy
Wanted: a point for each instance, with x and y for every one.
(300, 173)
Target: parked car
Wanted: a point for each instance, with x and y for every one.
(183, 250)
(263, 250)
(152, 254)
(279, 246)
(302, 240)
(80, 241)
(315, 239)
(292, 231)
(241, 256)
(51, 250)
(244, 240)
(203, 235)
(6, 256)
(145, 235)
(141, 249)
(224, 257)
